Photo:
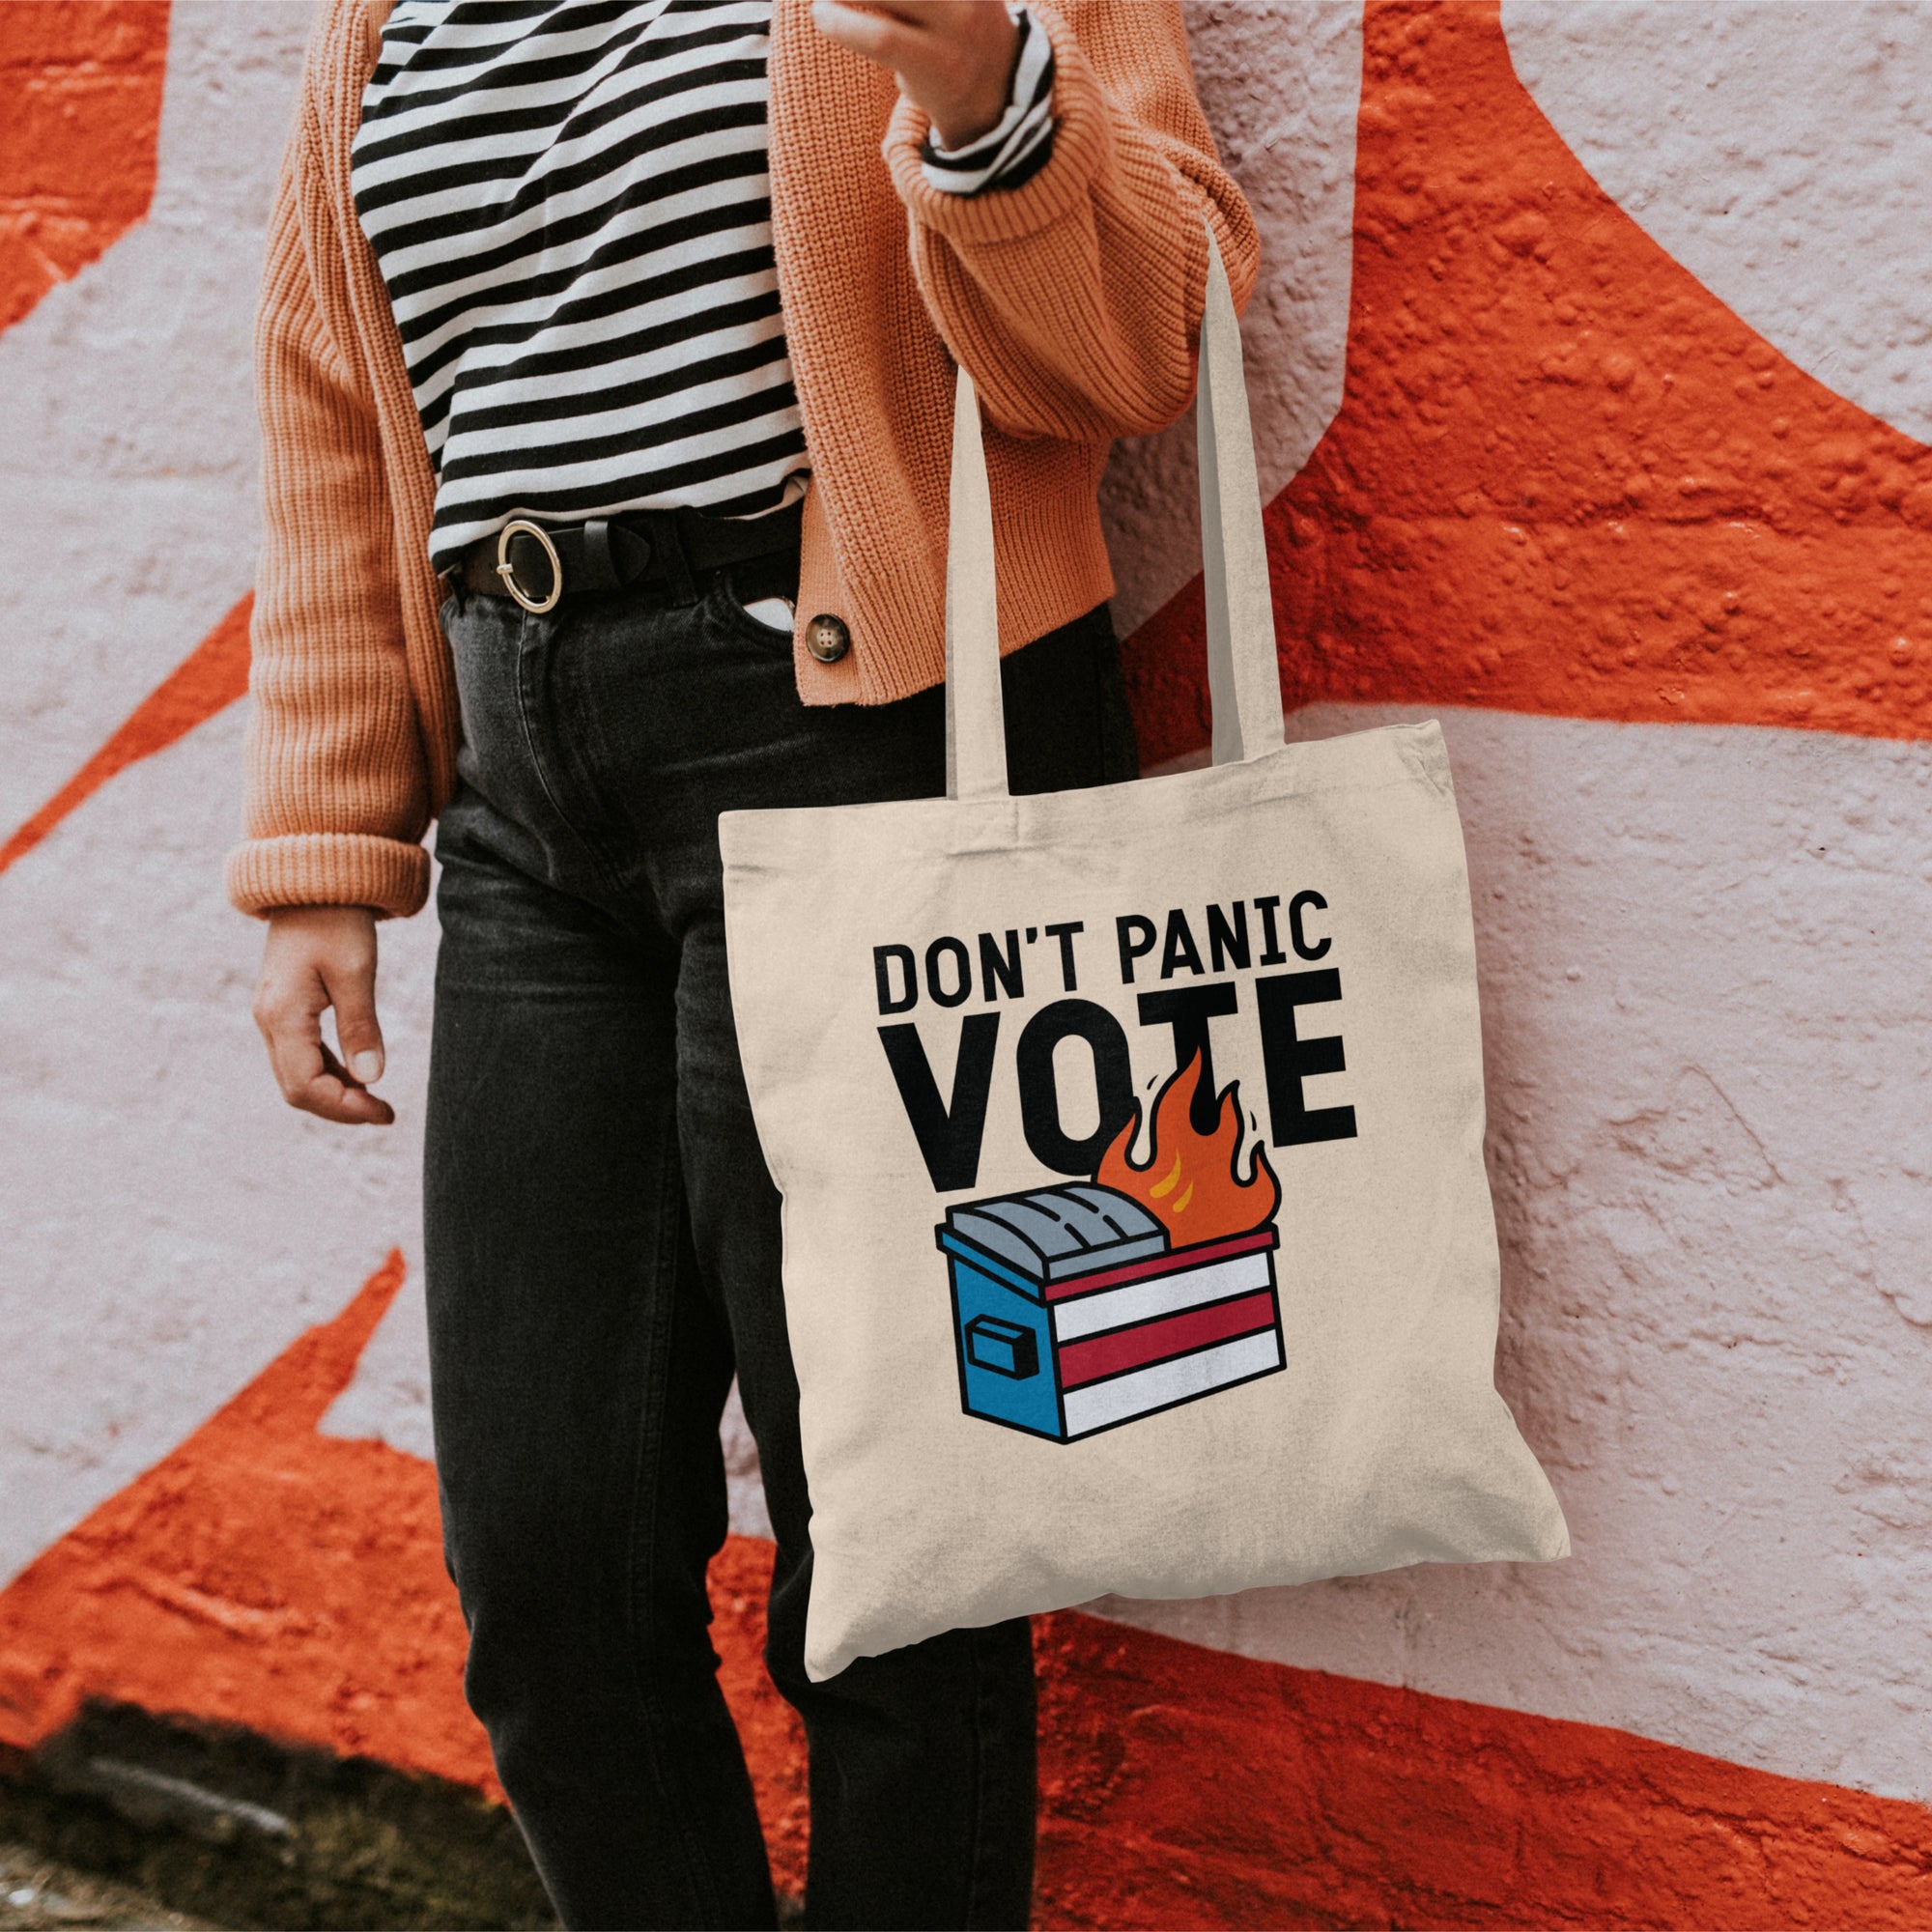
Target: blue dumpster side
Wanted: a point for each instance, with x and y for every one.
(987, 1386)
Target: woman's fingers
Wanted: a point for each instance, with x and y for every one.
(953, 57)
(885, 37)
(918, 11)
(347, 1095)
(310, 1076)
(351, 985)
(316, 958)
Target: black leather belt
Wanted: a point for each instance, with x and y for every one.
(669, 549)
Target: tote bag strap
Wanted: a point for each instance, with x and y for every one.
(1243, 680)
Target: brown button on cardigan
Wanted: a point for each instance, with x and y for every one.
(1074, 300)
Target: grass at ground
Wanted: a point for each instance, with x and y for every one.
(227, 1829)
(38, 1892)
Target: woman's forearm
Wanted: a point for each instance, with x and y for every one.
(1075, 299)
(337, 789)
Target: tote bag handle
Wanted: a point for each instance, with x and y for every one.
(1243, 681)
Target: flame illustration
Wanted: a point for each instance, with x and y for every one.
(1192, 1182)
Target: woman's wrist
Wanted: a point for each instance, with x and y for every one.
(1019, 143)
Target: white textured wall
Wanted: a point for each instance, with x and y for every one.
(1710, 1067)
(1709, 1038)
(1780, 149)
(1280, 80)
(1710, 1053)
(127, 467)
(167, 1226)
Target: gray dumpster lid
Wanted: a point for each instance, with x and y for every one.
(1052, 1232)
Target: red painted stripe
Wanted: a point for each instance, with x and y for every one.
(1188, 1787)
(1564, 478)
(80, 114)
(271, 1579)
(267, 1577)
(1172, 1335)
(1171, 1262)
(245, 1575)
(209, 679)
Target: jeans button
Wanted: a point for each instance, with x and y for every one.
(827, 639)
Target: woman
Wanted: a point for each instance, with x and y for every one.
(607, 330)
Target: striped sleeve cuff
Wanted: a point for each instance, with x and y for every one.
(1020, 143)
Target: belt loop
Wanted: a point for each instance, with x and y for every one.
(668, 554)
(600, 569)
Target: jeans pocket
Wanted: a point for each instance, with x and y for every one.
(752, 618)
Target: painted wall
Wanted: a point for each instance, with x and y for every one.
(1589, 365)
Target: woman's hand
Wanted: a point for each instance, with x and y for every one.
(317, 958)
(955, 58)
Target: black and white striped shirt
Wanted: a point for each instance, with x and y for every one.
(571, 210)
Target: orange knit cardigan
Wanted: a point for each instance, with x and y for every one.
(1073, 299)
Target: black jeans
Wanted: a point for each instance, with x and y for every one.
(604, 1253)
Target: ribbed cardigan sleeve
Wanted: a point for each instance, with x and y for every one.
(1075, 299)
(338, 793)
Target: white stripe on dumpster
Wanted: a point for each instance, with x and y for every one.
(1166, 1382)
(1163, 1295)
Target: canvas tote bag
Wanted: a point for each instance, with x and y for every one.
(1137, 1236)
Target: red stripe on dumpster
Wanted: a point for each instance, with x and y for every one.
(1172, 1335)
(1198, 1256)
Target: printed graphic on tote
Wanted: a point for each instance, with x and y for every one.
(1085, 1305)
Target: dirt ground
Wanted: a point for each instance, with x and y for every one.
(35, 1892)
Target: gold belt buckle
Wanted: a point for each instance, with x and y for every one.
(507, 569)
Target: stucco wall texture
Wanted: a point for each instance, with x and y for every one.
(1589, 367)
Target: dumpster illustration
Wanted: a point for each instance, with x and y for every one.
(1073, 1312)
